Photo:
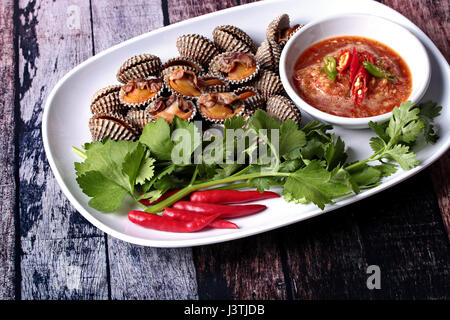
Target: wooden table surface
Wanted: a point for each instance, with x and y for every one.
(49, 251)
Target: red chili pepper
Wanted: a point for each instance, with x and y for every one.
(344, 61)
(156, 222)
(359, 86)
(366, 56)
(224, 210)
(231, 196)
(184, 215)
(146, 202)
(354, 64)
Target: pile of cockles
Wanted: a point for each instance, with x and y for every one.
(211, 79)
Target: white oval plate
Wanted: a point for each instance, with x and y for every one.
(66, 114)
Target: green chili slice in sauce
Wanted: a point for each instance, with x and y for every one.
(330, 67)
(379, 72)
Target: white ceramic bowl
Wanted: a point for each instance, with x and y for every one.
(385, 31)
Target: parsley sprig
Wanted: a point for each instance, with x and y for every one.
(310, 163)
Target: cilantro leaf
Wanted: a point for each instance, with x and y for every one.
(401, 154)
(157, 136)
(428, 111)
(107, 158)
(146, 170)
(335, 154)
(235, 122)
(107, 196)
(404, 125)
(291, 138)
(316, 184)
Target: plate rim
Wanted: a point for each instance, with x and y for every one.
(230, 236)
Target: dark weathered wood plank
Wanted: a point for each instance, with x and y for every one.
(249, 268)
(140, 272)
(63, 256)
(180, 10)
(440, 173)
(7, 153)
(326, 258)
(402, 232)
(433, 17)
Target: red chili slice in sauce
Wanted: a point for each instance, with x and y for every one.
(354, 64)
(359, 86)
(344, 61)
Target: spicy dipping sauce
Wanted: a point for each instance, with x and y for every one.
(352, 77)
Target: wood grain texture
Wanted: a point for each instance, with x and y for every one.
(406, 238)
(245, 269)
(140, 272)
(7, 154)
(53, 38)
(180, 10)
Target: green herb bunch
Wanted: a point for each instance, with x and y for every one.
(309, 163)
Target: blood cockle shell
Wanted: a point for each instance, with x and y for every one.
(243, 67)
(283, 109)
(138, 119)
(219, 106)
(111, 125)
(280, 31)
(197, 47)
(251, 97)
(139, 66)
(138, 93)
(269, 83)
(268, 55)
(169, 107)
(107, 100)
(183, 61)
(233, 39)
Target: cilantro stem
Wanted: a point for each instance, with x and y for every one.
(191, 188)
(139, 203)
(234, 186)
(80, 153)
(194, 176)
(376, 156)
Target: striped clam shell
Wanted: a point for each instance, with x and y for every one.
(268, 55)
(197, 47)
(139, 66)
(140, 105)
(283, 109)
(169, 87)
(224, 87)
(183, 61)
(218, 121)
(276, 26)
(254, 102)
(213, 67)
(138, 119)
(148, 110)
(111, 125)
(233, 39)
(268, 83)
(107, 100)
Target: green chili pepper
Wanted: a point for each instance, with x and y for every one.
(379, 72)
(330, 67)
